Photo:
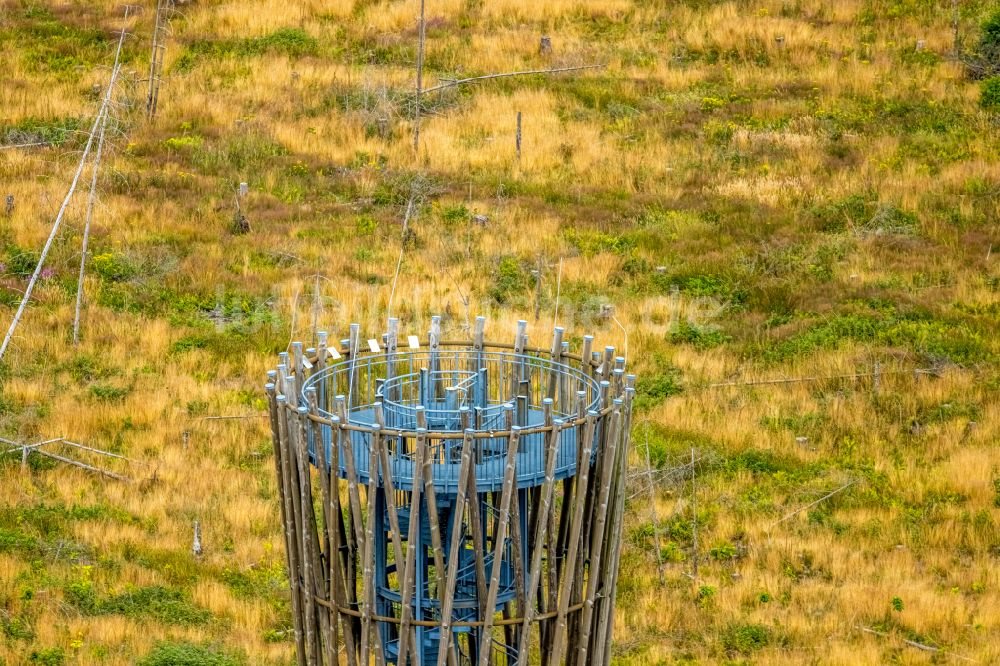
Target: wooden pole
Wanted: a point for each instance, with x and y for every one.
(325, 573)
(283, 499)
(368, 570)
(293, 528)
(619, 510)
(420, 78)
(541, 524)
(345, 579)
(412, 535)
(476, 527)
(357, 522)
(597, 541)
(86, 227)
(456, 539)
(583, 478)
(517, 142)
(308, 528)
(499, 537)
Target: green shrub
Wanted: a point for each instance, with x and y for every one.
(108, 393)
(184, 653)
(53, 656)
(189, 343)
(16, 627)
(18, 262)
(169, 606)
(80, 593)
(182, 142)
(934, 339)
(653, 389)
(699, 337)
(86, 368)
(724, 552)
(456, 214)
(113, 267)
(509, 279)
(984, 62)
(365, 225)
(589, 243)
(668, 445)
(263, 580)
(703, 285)
(54, 131)
(745, 638)
(863, 212)
(248, 151)
(292, 42)
(709, 104)
(49, 46)
(989, 97)
(164, 604)
(15, 540)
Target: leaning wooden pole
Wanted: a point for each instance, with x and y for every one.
(86, 229)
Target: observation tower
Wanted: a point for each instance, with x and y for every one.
(451, 502)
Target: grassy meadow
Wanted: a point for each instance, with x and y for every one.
(761, 190)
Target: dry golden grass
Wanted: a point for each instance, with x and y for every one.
(705, 149)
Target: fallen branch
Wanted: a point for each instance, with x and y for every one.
(235, 416)
(25, 449)
(915, 644)
(501, 75)
(99, 451)
(89, 468)
(24, 145)
(793, 380)
(812, 504)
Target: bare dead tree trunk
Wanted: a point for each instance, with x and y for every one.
(694, 520)
(86, 229)
(157, 51)
(501, 75)
(69, 195)
(954, 27)
(420, 79)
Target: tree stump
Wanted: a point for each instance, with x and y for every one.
(241, 225)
